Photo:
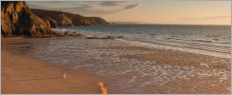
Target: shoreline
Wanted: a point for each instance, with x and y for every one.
(165, 62)
(25, 75)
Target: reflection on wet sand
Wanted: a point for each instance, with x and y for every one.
(133, 69)
(17, 48)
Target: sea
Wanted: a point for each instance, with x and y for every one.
(131, 75)
(214, 40)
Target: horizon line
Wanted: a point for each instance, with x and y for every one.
(167, 24)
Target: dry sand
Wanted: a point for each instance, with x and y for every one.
(24, 75)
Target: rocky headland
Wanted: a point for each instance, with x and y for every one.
(18, 20)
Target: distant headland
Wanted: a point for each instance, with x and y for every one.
(18, 20)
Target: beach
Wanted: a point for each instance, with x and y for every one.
(34, 66)
(60, 47)
(25, 75)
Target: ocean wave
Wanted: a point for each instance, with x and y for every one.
(199, 42)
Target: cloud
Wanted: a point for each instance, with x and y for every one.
(33, 6)
(113, 3)
(107, 3)
(132, 6)
(89, 10)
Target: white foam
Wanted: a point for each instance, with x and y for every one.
(109, 62)
(198, 51)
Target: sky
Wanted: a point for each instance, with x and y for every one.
(146, 12)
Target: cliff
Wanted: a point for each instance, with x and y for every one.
(68, 19)
(55, 18)
(99, 21)
(17, 19)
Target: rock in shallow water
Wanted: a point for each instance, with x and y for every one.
(108, 37)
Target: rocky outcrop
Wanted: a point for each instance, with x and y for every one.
(55, 18)
(64, 21)
(108, 37)
(17, 19)
(99, 21)
(79, 20)
(76, 19)
(52, 22)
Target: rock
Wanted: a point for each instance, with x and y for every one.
(54, 33)
(69, 19)
(64, 21)
(17, 19)
(55, 18)
(113, 37)
(53, 23)
(99, 21)
(76, 35)
(108, 37)
(66, 33)
(46, 36)
(72, 34)
(120, 37)
(93, 38)
(59, 35)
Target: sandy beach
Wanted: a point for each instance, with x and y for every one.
(22, 74)
(67, 47)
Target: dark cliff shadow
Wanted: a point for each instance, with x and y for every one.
(40, 79)
(17, 48)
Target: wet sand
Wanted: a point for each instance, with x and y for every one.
(160, 72)
(26, 75)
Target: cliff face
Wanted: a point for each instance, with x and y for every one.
(52, 22)
(17, 19)
(55, 18)
(69, 19)
(64, 21)
(99, 20)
